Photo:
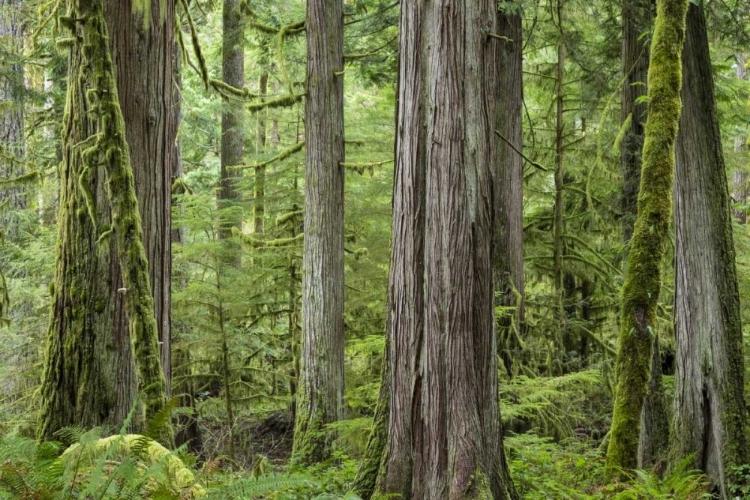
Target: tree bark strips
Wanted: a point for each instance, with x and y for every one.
(321, 386)
(443, 432)
(509, 278)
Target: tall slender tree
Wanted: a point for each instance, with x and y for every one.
(509, 279)
(636, 22)
(232, 117)
(443, 432)
(709, 405)
(642, 286)
(320, 394)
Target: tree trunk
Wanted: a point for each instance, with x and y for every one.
(259, 193)
(643, 274)
(79, 387)
(636, 20)
(740, 179)
(11, 116)
(150, 102)
(321, 387)
(232, 129)
(653, 442)
(443, 433)
(509, 279)
(709, 406)
(559, 207)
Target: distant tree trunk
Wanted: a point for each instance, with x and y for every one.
(740, 178)
(144, 59)
(260, 171)
(636, 20)
(643, 274)
(559, 207)
(232, 117)
(321, 387)
(79, 387)
(709, 405)
(443, 432)
(509, 279)
(11, 112)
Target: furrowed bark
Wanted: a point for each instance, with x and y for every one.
(509, 279)
(709, 406)
(444, 438)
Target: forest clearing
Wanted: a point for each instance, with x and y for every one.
(374, 249)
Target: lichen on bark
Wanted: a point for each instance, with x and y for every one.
(643, 275)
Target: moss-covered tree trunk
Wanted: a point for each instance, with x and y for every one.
(320, 395)
(643, 274)
(709, 406)
(636, 20)
(232, 117)
(443, 432)
(79, 387)
(509, 279)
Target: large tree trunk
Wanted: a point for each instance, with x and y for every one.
(709, 406)
(232, 126)
(11, 107)
(509, 186)
(443, 433)
(143, 59)
(321, 386)
(643, 274)
(79, 386)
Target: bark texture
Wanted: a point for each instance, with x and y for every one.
(443, 431)
(509, 279)
(643, 274)
(144, 59)
(79, 387)
(709, 405)
(321, 386)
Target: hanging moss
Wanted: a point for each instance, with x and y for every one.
(642, 286)
(106, 148)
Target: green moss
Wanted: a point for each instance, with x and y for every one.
(643, 275)
(312, 443)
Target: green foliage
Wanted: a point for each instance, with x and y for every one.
(575, 470)
(557, 407)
